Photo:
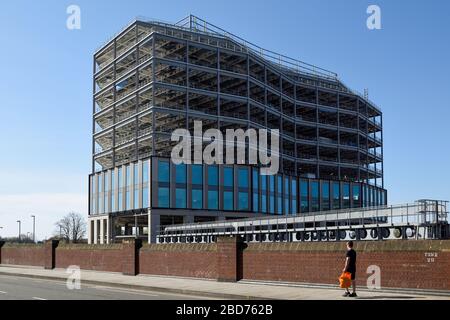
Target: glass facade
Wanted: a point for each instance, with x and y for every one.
(242, 189)
(228, 187)
(213, 187)
(325, 195)
(197, 186)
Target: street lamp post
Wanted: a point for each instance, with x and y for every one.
(19, 222)
(34, 228)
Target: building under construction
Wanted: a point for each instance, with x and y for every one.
(155, 77)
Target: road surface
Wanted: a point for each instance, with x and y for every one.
(20, 288)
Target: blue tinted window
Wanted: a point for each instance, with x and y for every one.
(345, 195)
(128, 175)
(136, 174)
(228, 177)
(271, 183)
(180, 173)
(145, 203)
(197, 199)
(314, 196)
(127, 200)
(264, 183)
(213, 176)
(197, 174)
(213, 200)
(228, 200)
(263, 203)
(163, 171)
(180, 198)
(243, 178)
(145, 171)
(294, 196)
(163, 197)
(304, 193)
(356, 195)
(325, 195)
(255, 183)
(113, 187)
(336, 195)
(243, 201)
(120, 177)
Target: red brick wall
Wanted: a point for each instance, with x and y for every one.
(90, 257)
(185, 260)
(403, 264)
(27, 255)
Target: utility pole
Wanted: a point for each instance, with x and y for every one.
(19, 222)
(34, 228)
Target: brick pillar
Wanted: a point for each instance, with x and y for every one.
(130, 256)
(49, 253)
(1, 245)
(228, 255)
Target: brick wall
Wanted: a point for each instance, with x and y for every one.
(185, 260)
(89, 257)
(22, 254)
(403, 264)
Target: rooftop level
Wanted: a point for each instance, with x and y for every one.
(296, 69)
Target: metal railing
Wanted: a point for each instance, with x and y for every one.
(422, 219)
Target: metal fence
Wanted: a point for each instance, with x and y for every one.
(424, 219)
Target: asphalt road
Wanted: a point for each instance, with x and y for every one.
(19, 288)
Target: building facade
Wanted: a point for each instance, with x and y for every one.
(154, 77)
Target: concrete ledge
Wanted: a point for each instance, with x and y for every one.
(360, 246)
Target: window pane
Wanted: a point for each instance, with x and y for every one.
(145, 203)
(346, 195)
(228, 177)
(336, 195)
(213, 176)
(163, 197)
(325, 196)
(304, 192)
(180, 198)
(197, 174)
(197, 199)
(163, 171)
(213, 200)
(243, 201)
(294, 196)
(180, 173)
(314, 196)
(356, 196)
(228, 200)
(243, 178)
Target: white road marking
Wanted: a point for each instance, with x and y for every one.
(37, 298)
(131, 291)
(3, 292)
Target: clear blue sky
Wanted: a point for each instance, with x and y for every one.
(46, 86)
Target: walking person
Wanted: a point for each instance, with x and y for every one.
(350, 267)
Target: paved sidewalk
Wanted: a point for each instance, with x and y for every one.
(212, 288)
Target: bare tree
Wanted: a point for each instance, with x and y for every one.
(72, 227)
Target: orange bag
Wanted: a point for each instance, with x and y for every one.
(345, 280)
